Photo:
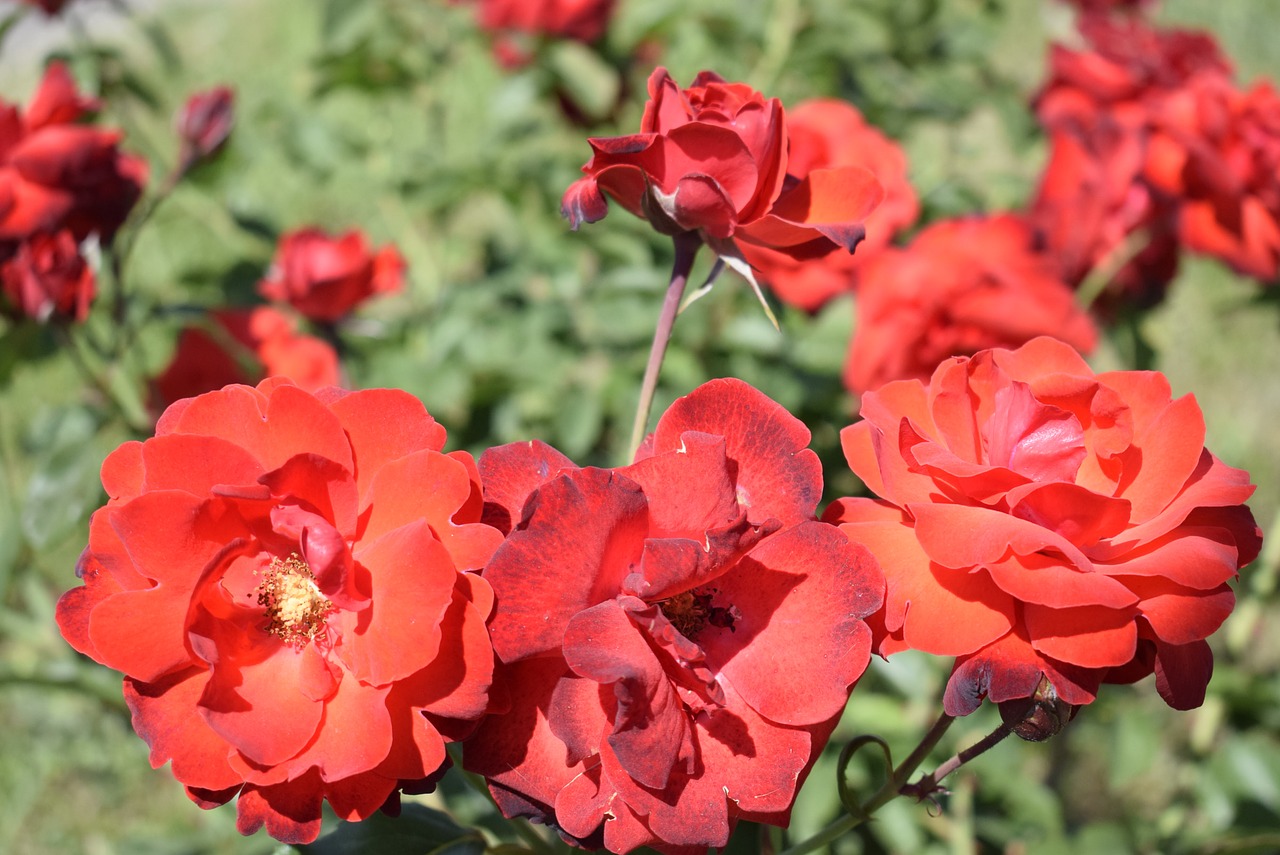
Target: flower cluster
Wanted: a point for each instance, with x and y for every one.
(60, 182)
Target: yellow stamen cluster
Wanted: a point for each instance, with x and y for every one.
(296, 610)
(687, 612)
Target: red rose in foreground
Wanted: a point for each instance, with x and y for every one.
(959, 287)
(278, 575)
(1037, 519)
(713, 159)
(245, 346)
(324, 278)
(47, 277)
(679, 635)
(826, 133)
(56, 174)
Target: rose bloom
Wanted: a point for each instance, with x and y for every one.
(46, 277)
(245, 346)
(49, 7)
(203, 125)
(280, 576)
(712, 158)
(582, 20)
(55, 173)
(325, 277)
(1097, 208)
(1218, 149)
(679, 635)
(1038, 520)
(960, 286)
(826, 133)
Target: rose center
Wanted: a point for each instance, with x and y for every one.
(691, 611)
(296, 610)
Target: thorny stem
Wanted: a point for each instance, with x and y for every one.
(928, 785)
(894, 787)
(686, 245)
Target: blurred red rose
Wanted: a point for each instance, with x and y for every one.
(324, 277)
(582, 20)
(203, 125)
(1098, 207)
(679, 635)
(245, 346)
(1037, 519)
(826, 133)
(960, 286)
(1218, 149)
(49, 7)
(278, 575)
(46, 277)
(55, 174)
(713, 158)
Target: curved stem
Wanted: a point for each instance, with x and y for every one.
(686, 248)
(928, 785)
(894, 787)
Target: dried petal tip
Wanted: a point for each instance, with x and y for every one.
(1040, 716)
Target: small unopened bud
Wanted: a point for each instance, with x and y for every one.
(203, 124)
(1040, 716)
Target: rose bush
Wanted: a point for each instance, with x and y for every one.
(245, 346)
(678, 635)
(281, 578)
(1036, 520)
(958, 287)
(712, 158)
(325, 277)
(826, 133)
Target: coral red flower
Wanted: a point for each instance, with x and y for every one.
(203, 125)
(245, 346)
(47, 277)
(826, 133)
(1038, 520)
(959, 287)
(324, 277)
(279, 576)
(712, 158)
(679, 635)
(56, 174)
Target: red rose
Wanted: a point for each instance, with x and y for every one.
(49, 7)
(55, 174)
(1037, 519)
(325, 278)
(47, 277)
(826, 133)
(679, 635)
(959, 287)
(278, 575)
(713, 158)
(582, 20)
(1098, 207)
(203, 125)
(245, 346)
(1218, 149)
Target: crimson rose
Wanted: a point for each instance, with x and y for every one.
(280, 577)
(712, 158)
(1037, 520)
(679, 635)
(324, 278)
(47, 277)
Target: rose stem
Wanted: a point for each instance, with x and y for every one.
(686, 245)
(929, 783)
(892, 789)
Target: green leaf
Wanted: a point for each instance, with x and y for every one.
(417, 831)
(590, 83)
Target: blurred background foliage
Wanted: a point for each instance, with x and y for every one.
(393, 116)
